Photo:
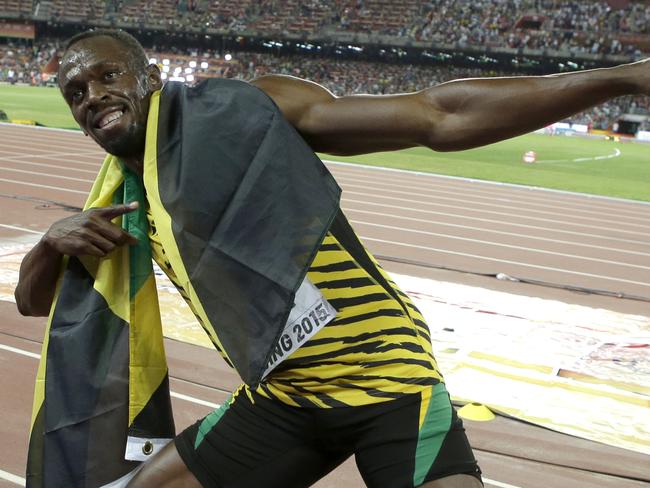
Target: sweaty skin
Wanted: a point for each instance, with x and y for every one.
(108, 93)
(109, 96)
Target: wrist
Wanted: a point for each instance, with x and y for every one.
(633, 77)
(47, 245)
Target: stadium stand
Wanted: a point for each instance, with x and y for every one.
(312, 39)
(594, 27)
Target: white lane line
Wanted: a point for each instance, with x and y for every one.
(498, 222)
(482, 182)
(21, 481)
(55, 166)
(467, 200)
(23, 158)
(198, 401)
(499, 484)
(38, 141)
(465, 208)
(22, 229)
(511, 234)
(174, 394)
(505, 261)
(12, 478)
(18, 182)
(49, 175)
(498, 244)
(433, 188)
(9, 125)
(20, 351)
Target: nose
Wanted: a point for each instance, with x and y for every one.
(96, 92)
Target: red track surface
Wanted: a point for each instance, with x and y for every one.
(554, 237)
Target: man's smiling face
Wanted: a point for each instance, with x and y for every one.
(108, 93)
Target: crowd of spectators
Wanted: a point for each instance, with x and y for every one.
(567, 25)
(24, 64)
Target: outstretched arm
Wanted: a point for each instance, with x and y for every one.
(451, 116)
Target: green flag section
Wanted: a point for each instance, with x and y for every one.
(241, 205)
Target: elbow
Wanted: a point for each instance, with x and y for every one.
(27, 308)
(437, 139)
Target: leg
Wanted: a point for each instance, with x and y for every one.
(166, 470)
(418, 441)
(243, 445)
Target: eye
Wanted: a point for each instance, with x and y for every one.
(111, 75)
(77, 95)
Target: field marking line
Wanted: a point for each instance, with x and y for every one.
(498, 244)
(49, 175)
(505, 261)
(180, 396)
(426, 199)
(511, 234)
(615, 154)
(504, 214)
(500, 222)
(12, 478)
(18, 182)
(362, 167)
(22, 229)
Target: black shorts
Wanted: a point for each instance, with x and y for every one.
(397, 444)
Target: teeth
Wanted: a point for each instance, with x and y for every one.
(110, 117)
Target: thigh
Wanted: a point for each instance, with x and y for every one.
(253, 444)
(417, 440)
(165, 470)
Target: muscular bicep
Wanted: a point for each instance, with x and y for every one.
(350, 124)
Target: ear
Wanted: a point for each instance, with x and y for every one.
(153, 77)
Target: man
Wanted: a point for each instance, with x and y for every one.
(366, 382)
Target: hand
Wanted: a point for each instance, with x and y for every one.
(90, 233)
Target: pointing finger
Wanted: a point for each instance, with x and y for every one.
(109, 213)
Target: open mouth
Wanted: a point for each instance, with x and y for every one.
(110, 119)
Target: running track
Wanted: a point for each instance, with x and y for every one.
(416, 224)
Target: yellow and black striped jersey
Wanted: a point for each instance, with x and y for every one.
(377, 348)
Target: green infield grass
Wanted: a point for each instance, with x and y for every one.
(563, 162)
(45, 105)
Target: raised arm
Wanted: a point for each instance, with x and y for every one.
(451, 116)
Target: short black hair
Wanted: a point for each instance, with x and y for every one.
(137, 58)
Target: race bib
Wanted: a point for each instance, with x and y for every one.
(310, 313)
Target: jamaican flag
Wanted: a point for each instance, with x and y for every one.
(241, 205)
(102, 382)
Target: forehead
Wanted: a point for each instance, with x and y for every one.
(89, 54)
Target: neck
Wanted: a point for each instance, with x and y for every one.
(135, 164)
